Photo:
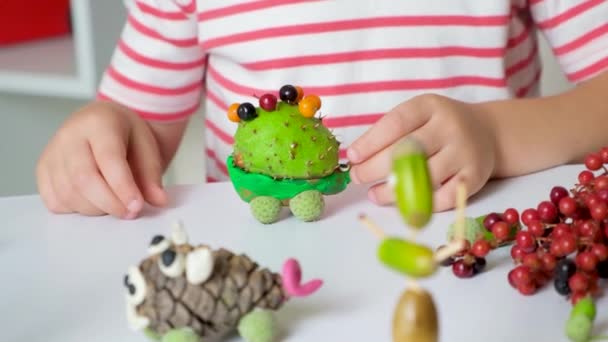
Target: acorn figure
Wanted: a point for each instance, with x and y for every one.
(187, 293)
(415, 315)
(284, 156)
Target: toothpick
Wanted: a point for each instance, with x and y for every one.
(372, 227)
(449, 250)
(461, 203)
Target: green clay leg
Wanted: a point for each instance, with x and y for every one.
(258, 326)
(266, 209)
(181, 335)
(308, 205)
(151, 334)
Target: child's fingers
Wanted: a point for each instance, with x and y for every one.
(381, 194)
(393, 126)
(378, 166)
(145, 159)
(90, 184)
(47, 193)
(110, 154)
(443, 165)
(68, 193)
(445, 196)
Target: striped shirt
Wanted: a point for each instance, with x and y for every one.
(361, 57)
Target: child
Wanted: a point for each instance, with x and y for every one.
(461, 76)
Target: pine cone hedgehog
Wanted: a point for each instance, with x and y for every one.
(186, 293)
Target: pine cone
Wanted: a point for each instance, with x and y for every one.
(213, 308)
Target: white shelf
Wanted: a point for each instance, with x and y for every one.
(68, 66)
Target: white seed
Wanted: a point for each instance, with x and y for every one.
(178, 235)
(136, 322)
(136, 279)
(175, 269)
(199, 265)
(159, 247)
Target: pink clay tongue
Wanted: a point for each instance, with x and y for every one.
(292, 276)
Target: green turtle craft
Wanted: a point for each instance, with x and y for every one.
(284, 156)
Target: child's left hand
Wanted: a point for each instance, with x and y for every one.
(458, 139)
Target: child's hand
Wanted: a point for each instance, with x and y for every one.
(103, 160)
(459, 141)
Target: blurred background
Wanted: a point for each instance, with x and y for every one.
(52, 69)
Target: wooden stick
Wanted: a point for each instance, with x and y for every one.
(461, 203)
(449, 250)
(374, 228)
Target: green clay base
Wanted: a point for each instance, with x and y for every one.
(251, 185)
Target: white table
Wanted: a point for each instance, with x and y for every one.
(62, 275)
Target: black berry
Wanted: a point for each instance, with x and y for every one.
(168, 257)
(479, 265)
(125, 280)
(565, 269)
(246, 111)
(602, 269)
(561, 286)
(288, 93)
(156, 240)
(131, 289)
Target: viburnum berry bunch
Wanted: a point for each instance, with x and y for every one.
(564, 240)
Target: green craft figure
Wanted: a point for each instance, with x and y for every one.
(284, 156)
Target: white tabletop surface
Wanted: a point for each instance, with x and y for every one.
(62, 275)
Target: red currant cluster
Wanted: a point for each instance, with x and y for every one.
(471, 260)
(563, 239)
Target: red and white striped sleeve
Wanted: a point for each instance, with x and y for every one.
(578, 34)
(157, 68)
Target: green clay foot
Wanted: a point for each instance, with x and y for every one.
(258, 326)
(308, 205)
(266, 209)
(181, 335)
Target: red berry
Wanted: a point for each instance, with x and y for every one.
(586, 261)
(557, 193)
(537, 228)
(601, 183)
(549, 262)
(532, 261)
(599, 211)
(593, 161)
(490, 219)
(268, 102)
(578, 282)
(561, 229)
(592, 200)
(511, 216)
(600, 251)
(556, 249)
(480, 248)
(525, 240)
(522, 275)
(567, 206)
(603, 195)
(568, 244)
(604, 155)
(517, 253)
(511, 279)
(501, 230)
(547, 211)
(577, 296)
(529, 215)
(462, 270)
(585, 177)
(527, 289)
(587, 228)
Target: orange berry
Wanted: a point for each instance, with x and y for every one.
(300, 94)
(309, 105)
(232, 114)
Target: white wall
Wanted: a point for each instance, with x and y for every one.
(27, 122)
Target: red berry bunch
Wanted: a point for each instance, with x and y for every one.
(564, 239)
(472, 259)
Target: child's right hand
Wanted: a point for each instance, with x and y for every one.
(103, 160)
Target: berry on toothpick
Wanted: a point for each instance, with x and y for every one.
(268, 102)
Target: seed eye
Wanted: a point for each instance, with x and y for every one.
(136, 286)
(288, 93)
(172, 264)
(344, 167)
(158, 245)
(168, 257)
(246, 111)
